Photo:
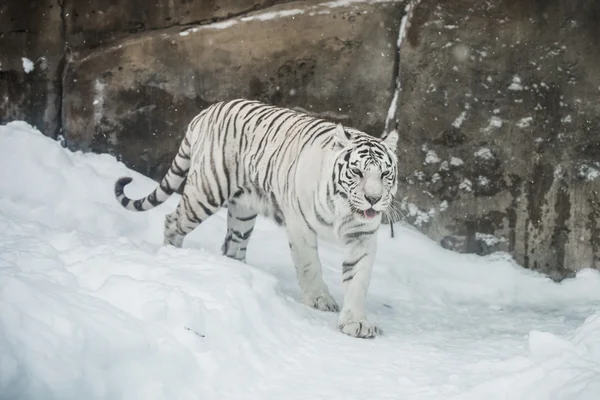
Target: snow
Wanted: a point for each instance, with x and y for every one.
(589, 172)
(98, 101)
(28, 65)
(261, 17)
(270, 15)
(456, 162)
(466, 185)
(488, 239)
(444, 205)
(273, 15)
(459, 120)
(515, 84)
(421, 217)
(346, 3)
(483, 180)
(494, 123)
(93, 307)
(524, 122)
(484, 153)
(431, 157)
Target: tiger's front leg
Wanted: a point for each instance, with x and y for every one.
(303, 247)
(356, 276)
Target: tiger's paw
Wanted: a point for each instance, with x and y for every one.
(324, 302)
(360, 329)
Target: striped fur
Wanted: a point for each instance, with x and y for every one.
(313, 177)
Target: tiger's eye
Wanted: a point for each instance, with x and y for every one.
(357, 172)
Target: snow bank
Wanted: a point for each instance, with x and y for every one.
(92, 306)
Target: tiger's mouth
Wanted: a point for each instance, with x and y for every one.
(370, 213)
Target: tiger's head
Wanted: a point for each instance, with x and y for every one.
(366, 171)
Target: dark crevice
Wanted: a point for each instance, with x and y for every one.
(16, 31)
(396, 85)
(392, 123)
(60, 71)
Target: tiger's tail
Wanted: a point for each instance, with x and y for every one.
(168, 185)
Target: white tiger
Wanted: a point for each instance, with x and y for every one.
(314, 177)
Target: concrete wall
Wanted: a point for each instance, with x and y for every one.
(497, 113)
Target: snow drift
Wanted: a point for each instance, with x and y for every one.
(92, 306)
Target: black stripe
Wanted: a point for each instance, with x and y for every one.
(304, 217)
(153, 200)
(225, 135)
(165, 186)
(274, 120)
(188, 207)
(177, 170)
(347, 266)
(244, 235)
(234, 103)
(320, 218)
(245, 219)
(260, 147)
(206, 210)
(210, 199)
(358, 235)
(213, 169)
(138, 205)
(182, 154)
(214, 112)
(125, 201)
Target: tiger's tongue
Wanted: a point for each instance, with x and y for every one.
(370, 213)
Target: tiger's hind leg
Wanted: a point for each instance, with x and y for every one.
(240, 223)
(194, 208)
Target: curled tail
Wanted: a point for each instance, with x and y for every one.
(168, 185)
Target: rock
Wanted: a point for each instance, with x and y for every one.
(31, 50)
(135, 97)
(500, 131)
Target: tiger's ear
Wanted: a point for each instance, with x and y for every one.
(391, 139)
(341, 135)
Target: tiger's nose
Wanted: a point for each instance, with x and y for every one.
(372, 200)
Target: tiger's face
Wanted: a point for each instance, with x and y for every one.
(366, 171)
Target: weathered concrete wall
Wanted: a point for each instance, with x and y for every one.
(499, 115)
(135, 97)
(93, 23)
(31, 50)
(498, 112)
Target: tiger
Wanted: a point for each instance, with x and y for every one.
(315, 178)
